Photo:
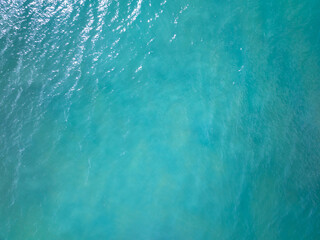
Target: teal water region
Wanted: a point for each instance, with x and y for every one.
(142, 119)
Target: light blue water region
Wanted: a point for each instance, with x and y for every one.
(173, 119)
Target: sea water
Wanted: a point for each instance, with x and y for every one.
(173, 119)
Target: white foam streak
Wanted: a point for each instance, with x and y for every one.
(135, 13)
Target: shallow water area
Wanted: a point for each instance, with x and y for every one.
(165, 119)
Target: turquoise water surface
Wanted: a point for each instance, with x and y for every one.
(173, 119)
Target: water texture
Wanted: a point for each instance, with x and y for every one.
(142, 119)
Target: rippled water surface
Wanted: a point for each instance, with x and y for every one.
(174, 119)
